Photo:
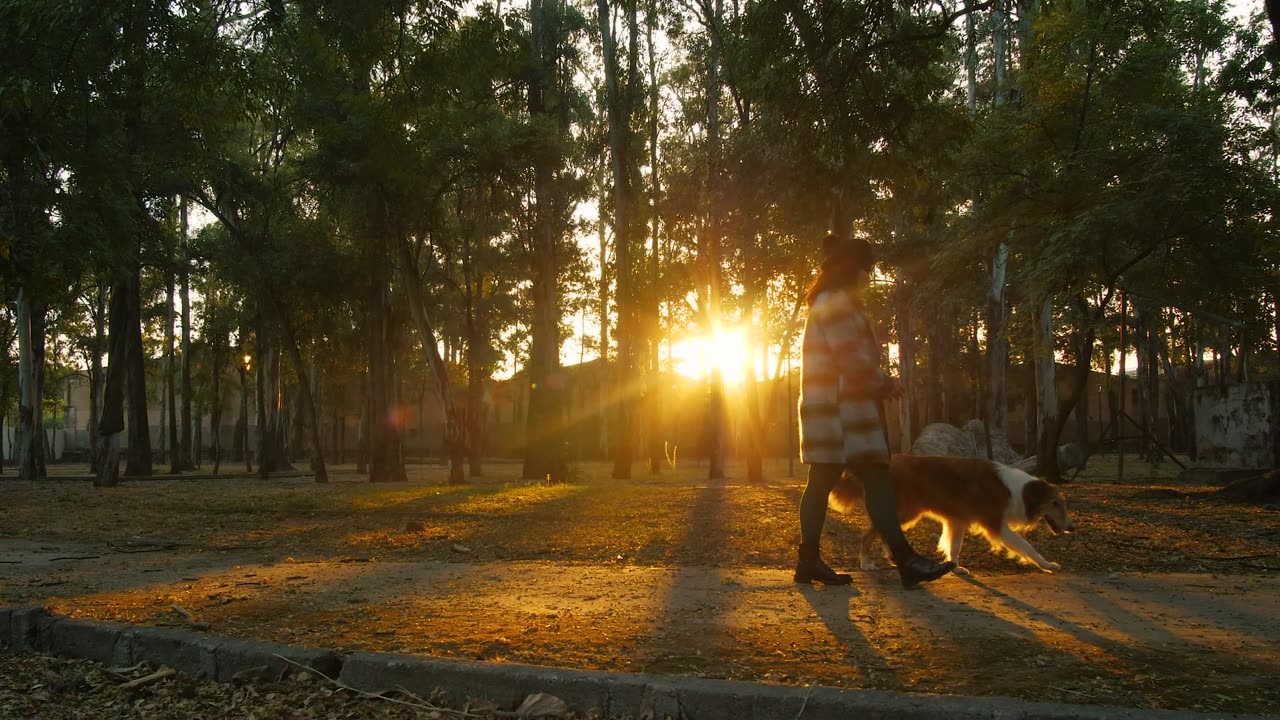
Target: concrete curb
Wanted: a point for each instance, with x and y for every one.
(610, 694)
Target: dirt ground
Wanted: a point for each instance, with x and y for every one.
(1166, 599)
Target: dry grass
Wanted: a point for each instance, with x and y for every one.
(678, 518)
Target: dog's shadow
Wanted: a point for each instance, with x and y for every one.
(832, 606)
(1031, 612)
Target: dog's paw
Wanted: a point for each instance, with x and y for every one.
(1050, 567)
(961, 570)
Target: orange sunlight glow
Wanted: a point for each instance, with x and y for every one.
(697, 356)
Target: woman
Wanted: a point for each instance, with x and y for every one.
(841, 390)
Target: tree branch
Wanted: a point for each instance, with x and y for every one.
(944, 26)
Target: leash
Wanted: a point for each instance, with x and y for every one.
(884, 424)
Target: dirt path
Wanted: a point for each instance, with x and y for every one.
(1196, 641)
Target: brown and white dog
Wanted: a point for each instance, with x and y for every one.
(965, 495)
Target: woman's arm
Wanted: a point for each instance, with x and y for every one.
(854, 348)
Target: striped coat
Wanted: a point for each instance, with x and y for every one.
(840, 383)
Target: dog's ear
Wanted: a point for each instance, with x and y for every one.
(1035, 495)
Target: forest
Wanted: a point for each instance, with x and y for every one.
(333, 209)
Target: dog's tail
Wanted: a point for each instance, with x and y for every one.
(847, 493)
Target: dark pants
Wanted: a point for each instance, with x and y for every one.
(882, 504)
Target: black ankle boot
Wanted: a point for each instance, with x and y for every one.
(914, 569)
(810, 568)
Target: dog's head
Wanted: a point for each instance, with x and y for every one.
(1043, 500)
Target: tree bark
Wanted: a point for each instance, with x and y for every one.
(30, 445)
(95, 373)
(654, 393)
(755, 422)
(308, 402)
(623, 238)
(111, 421)
(1047, 392)
(711, 249)
(604, 400)
(937, 410)
(997, 312)
(906, 367)
(184, 447)
(1174, 397)
(1084, 358)
(170, 363)
(1151, 389)
(454, 440)
(138, 462)
(215, 401)
(243, 431)
(362, 428)
(265, 427)
(475, 387)
(544, 431)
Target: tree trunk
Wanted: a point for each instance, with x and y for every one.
(184, 447)
(1031, 396)
(454, 439)
(265, 427)
(1124, 358)
(544, 431)
(998, 343)
(1047, 392)
(938, 355)
(1107, 392)
(243, 430)
(197, 430)
(95, 373)
(308, 402)
(475, 423)
(605, 404)
(1224, 353)
(162, 436)
(997, 312)
(30, 445)
(138, 462)
(1084, 358)
(474, 386)
(619, 113)
(906, 367)
(111, 421)
(654, 393)
(1151, 367)
(711, 249)
(170, 363)
(1174, 397)
(1275, 314)
(755, 422)
(362, 428)
(215, 402)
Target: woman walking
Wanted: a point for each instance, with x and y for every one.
(841, 390)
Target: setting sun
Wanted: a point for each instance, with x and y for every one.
(725, 350)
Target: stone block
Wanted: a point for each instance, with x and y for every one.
(186, 652)
(235, 656)
(104, 642)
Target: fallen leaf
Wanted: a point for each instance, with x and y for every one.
(541, 705)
